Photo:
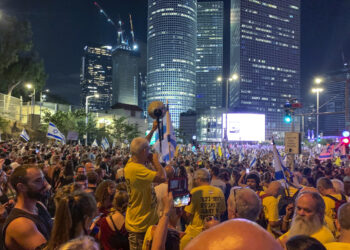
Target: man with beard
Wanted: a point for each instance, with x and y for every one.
(308, 219)
(29, 224)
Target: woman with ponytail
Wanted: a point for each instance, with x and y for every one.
(73, 217)
(112, 234)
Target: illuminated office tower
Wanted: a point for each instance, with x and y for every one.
(171, 54)
(96, 77)
(209, 65)
(265, 52)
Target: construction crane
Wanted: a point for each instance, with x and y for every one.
(118, 29)
(132, 33)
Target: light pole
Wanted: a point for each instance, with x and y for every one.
(317, 91)
(234, 77)
(87, 111)
(30, 86)
(42, 96)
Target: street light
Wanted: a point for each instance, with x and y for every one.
(42, 96)
(234, 77)
(317, 91)
(318, 80)
(30, 86)
(96, 95)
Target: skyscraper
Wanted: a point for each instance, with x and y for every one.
(209, 65)
(96, 76)
(125, 75)
(265, 52)
(171, 47)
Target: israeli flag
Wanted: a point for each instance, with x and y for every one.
(24, 135)
(114, 144)
(94, 144)
(212, 156)
(168, 142)
(54, 133)
(252, 162)
(277, 164)
(105, 143)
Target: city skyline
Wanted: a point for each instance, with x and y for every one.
(324, 31)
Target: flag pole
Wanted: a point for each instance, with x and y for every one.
(168, 135)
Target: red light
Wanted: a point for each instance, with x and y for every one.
(345, 140)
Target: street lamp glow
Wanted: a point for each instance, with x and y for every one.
(317, 90)
(234, 77)
(219, 79)
(29, 85)
(318, 80)
(96, 95)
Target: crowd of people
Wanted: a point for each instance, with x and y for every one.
(56, 196)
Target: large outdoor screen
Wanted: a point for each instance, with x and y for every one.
(244, 127)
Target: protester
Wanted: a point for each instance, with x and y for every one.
(104, 196)
(162, 188)
(83, 242)
(303, 242)
(141, 212)
(29, 224)
(112, 234)
(73, 218)
(343, 226)
(215, 180)
(309, 219)
(237, 234)
(206, 201)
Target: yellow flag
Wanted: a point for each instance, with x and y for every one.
(219, 151)
(177, 150)
(338, 162)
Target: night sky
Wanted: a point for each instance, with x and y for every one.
(62, 29)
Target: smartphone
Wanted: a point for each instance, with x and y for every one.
(181, 201)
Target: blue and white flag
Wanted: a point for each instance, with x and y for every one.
(54, 133)
(114, 144)
(212, 156)
(168, 142)
(24, 135)
(252, 162)
(105, 143)
(279, 166)
(241, 156)
(94, 144)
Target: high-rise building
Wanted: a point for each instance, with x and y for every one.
(96, 76)
(125, 75)
(265, 52)
(209, 65)
(171, 47)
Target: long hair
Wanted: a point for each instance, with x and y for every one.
(101, 193)
(71, 211)
(120, 201)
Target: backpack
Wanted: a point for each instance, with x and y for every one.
(262, 221)
(338, 203)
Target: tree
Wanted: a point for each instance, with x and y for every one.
(19, 63)
(123, 131)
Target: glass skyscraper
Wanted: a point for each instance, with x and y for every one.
(96, 77)
(265, 52)
(171, 54)
(209, 65)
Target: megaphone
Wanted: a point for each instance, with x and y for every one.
(156, 110)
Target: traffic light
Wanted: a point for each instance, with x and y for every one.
(287, 117)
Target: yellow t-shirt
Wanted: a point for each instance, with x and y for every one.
(206, 201)
(337, 246)
(330, 205)
(141, 212)
(324, 235)
(148, 238)
(270, 206)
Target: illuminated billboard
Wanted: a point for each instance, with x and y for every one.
(244, 127)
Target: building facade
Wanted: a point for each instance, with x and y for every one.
(332, 102)
(209, 63)
(265, 53)
(96, 77)
(125, 75)
(171, 54)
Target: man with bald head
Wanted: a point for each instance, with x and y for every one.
(141, 212)
(243, 203)
(162, 188)
(237, 234)
(207, 202)
(308, 219)
(270, 206)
